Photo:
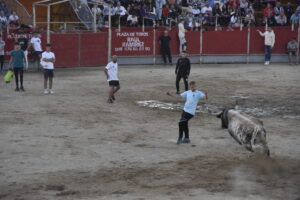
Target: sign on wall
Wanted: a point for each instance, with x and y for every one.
(132, 43)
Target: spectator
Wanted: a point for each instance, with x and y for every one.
(3, 21)
(281, 19)
(165, 47)
(159, 5)
(120, 12)
(288, 10)
(165, 14)
(243, 6)
(181, 35)
(225, 15)
(13, 19)
(249, 18)
(4, 9)
(132, 20)
(292, 49)
(269, 15)
(269, 43)
(278, 9)
(295, 17)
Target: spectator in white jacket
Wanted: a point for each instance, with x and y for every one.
(181, 35)
(269, 43)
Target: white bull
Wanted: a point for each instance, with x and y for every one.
(246, 130)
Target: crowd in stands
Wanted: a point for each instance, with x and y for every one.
(8, 17)
(196, 13)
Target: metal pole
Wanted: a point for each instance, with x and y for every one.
(119, 25)
(34, 15)
(154, 43)
(248, 43)
(216, 26)
(109, 34)
(65, 27)
(143, 27)
(293, 26)
(95, 20)
(201, 41)
(48, 24)
(79, 48)
(298, 42)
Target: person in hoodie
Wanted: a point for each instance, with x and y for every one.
(269, 36)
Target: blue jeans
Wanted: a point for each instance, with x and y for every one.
(268, 51)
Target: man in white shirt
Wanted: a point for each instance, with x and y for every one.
(269, 43)
(192, 97)
(111, 72)
(36, 44)
(47, 60)
(181, 35)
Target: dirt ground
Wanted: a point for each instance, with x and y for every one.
(72, 145)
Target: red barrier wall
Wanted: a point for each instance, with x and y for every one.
(90, 49)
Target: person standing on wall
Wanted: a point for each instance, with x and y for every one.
(36, 43)
(23, 41)
(111, 72)
(165, 47)
(182, 71)
(181, 36)
(269, 43)
(47, 62)
(17, 62)
(2, 52)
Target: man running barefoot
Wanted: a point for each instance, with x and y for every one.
(111, 72)
(192, 97)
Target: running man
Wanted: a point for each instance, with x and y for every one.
(17, 60)
(47, 62)
(192, 97)
(111, 72)
(182, 71)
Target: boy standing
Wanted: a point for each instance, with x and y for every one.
(17, 60)
(192, 97)
(111, 72)
(47, 60)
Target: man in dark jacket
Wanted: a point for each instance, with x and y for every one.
(182, 71)
(165, 47)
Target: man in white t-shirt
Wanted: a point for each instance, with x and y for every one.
(111, 72)
(47, 60)
(36, 44)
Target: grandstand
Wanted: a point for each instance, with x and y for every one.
(235, 21)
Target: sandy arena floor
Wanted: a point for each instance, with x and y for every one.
(72, 145)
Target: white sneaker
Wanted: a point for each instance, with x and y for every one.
(51, 92)
(267, 63)
(46, 92)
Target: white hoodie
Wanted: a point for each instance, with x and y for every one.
(269, 38)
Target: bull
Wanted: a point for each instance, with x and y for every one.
(248, 131)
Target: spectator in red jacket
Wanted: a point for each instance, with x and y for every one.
(269, 15)
(165, 14)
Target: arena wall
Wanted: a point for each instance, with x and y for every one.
(136, 47)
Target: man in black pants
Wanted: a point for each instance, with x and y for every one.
(192, 97)
(182, 71)
(165, 47)
(2, 52)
